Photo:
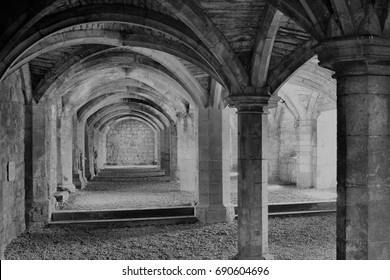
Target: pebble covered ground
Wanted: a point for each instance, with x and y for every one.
(128, 194)
(289, 238)
(136, 193)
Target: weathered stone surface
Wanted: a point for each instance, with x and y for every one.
(363, 148)
(252, 177)
(131, 142)
(214, 166)
(12, 193)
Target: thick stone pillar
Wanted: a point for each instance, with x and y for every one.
(252, 176)
(164, 147)
(101, 153)
(66, 154)
(87, 156)
(363, 146)
(173, 154)
(214, 166)
(167, 151)
(304, 155)
(36, 192)
(187, 152)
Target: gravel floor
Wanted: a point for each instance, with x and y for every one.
(128, 194)
(136, 193)
(289, 238)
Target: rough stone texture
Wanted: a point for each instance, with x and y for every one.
(288, 150)
(12, 194)
(252, 186)
(233, 139)
(363, 140)
(66, 141)
(73, 60)
(294, 158)
(187, 152)
(305, 165)
(131, 142)
(273, 155)
(326, 150)
(214, 167)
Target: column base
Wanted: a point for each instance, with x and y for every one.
(304, 180)
(2, 249)
(260, 257)
(37, 214)
(215, 213)
(69, 187)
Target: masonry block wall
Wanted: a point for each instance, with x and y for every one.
(187, 151)
(273, 152)
(233, 139)
(326, 150)
(12, 194)
(288, 150)
(131, 142)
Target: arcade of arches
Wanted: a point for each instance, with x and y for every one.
(78, 77)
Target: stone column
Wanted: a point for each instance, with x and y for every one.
(187, 152)
(214, 166)
(37, 200)
(163, 147)
(91, 151)
(87, 156)
(304, 155)
(101, 145)
(173, 154)
(66, 153)
(167, 151)
(363, 145)
(252, 176)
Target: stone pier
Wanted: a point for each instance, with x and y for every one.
(252, 176)
(363, 146)
(214, 166)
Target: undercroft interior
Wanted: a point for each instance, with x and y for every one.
(224, 107)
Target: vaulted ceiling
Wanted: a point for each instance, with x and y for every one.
(173, 53)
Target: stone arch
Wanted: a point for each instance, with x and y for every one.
(96, 76)
(193, 17)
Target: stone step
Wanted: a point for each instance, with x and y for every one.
(302, 213)
(302, 206)
(132, 179)
(299, 207)
(125, 222)
(105, 175)
(131, 172)
(83, 215)
(275, 209)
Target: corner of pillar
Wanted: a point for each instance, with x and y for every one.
(262, 257)
(37, 214)
(209, 214)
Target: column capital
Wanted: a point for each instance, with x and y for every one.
(251, 103)
(356, 56)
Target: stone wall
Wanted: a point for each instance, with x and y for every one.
(273, 152)
(326, 150)
(12, 193)
(288, 149)
(131, 142)
(233, 139)
(187, 151)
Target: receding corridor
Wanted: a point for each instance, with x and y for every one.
(247, 118)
